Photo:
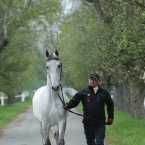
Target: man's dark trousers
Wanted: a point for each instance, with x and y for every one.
(95, 134)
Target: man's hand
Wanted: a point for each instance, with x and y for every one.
(109, 121)
(65, 106)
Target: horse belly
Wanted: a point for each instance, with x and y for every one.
(52, 118)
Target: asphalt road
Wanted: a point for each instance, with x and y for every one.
(24, 130)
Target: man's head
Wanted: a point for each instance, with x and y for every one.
(94, 80)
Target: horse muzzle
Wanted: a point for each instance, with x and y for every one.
(55, 88)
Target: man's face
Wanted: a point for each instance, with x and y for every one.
(93, 82)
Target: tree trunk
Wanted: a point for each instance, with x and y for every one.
(11, 100)
(118, 96)
(137, 100)
(4, 44)
(126, 104)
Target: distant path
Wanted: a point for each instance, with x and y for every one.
(24, 130)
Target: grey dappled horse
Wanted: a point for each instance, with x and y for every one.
(47, 106)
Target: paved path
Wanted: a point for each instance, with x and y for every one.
(24, 130)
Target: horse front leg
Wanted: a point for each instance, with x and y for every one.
(45, 134)
(62, 127)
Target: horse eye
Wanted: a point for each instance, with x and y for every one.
(47, 67)
(59, 66)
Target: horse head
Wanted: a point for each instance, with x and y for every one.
(54, 69)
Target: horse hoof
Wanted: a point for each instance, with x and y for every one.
(61, 142)
(47, 142)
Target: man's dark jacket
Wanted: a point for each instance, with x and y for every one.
(93, 104)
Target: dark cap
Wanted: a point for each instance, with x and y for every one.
(94, 75)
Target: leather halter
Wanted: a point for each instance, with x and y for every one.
(54, 58)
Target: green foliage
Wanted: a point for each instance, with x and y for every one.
(23, 23)
(17, 67)
(106, 37)
(77, 48)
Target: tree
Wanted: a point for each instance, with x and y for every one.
(114, 30)
(22, 23)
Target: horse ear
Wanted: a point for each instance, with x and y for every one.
(56, 53)
(47, 53)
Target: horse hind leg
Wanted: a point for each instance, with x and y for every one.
(58, 141)
(61, 142)
(47, 141)
(56, 134)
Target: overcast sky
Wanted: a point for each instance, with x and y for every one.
(69, 5)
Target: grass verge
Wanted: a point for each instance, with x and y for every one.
(126, 130)
(9, 112)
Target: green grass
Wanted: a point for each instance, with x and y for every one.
(9, 112)
(125, 130)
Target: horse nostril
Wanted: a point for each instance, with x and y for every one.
(55, 88)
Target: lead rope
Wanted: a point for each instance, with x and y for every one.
(63, 102)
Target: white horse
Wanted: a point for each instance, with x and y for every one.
(47, 106)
